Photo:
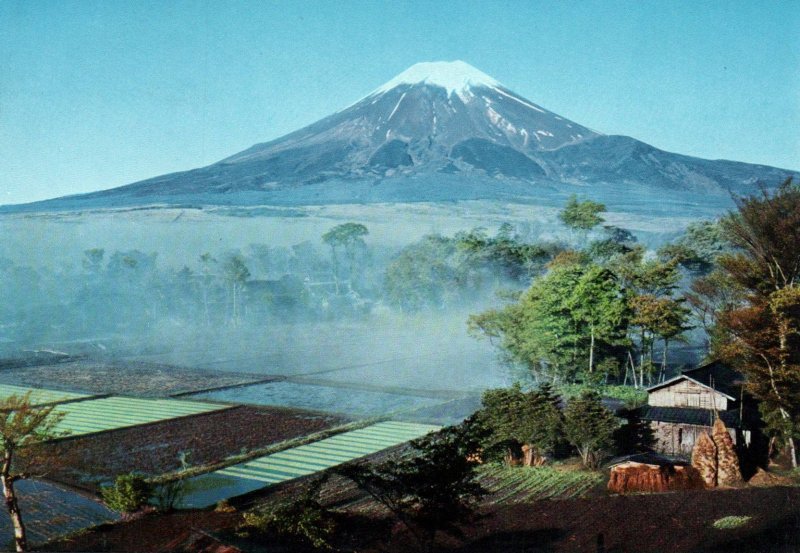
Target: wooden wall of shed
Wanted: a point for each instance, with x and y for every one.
(679, 439)
(685, 393)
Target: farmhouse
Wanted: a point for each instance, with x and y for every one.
(682, 408)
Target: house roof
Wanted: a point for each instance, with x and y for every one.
(688, 415)
(648, 459)
(715, 376)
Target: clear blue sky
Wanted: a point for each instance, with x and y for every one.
(100, 94)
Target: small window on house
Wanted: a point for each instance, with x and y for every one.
(680, 436)
(693, 400)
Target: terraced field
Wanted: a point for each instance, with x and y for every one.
(522, 484)
(51, 511)
(39, 396)
(98, 415)
(207, 489)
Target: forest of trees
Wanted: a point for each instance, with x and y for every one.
(601, 312)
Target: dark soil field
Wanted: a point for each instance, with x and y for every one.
(202, 439)
(672, 522)
(122, 377)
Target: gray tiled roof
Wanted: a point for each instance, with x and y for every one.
(718, 376)
(688, 415)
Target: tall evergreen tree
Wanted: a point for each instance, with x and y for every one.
(589, 427)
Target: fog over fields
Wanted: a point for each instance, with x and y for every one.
(134, 305)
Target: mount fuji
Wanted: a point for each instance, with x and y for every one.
(439, 131)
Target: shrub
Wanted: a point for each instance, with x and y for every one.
(224, 506)
(731, 522)
(129, 493)
(170, 494)
(304, 522)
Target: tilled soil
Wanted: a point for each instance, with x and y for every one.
(134, 378)
(201, 439)
(679, 522)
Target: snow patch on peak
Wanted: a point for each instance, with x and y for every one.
(453, 76)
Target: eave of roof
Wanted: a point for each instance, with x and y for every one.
(648, 458)
(690, 415)
(683, 376)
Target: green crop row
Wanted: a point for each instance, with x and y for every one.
(518, 484)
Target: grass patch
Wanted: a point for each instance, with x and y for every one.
(731, 522)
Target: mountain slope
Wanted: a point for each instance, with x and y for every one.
(434, 120)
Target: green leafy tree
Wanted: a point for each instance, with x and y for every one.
(23, 427)
(698, 249)
(642, 276)
(538, 331)
(657, 317)
(504, 255)
(423, 274)
(438, 270)
(582, 216)
(598, 303)
(236, 273)
(562, 321)
(349, 237)
(520, 424)
(589, 427)
(711, 295)
(129, 493)
(432, 490)
(651, 285)
(615, 242)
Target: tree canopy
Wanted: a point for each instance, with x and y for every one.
(589, 427)
(581, 215)
(569, 318)
(513, 419)
(760, 330)
(433, 490)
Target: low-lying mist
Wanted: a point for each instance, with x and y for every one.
(264, 293)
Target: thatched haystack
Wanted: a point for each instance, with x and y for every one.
(728, 471)
(704, 459)
(714, 457)
(652, 474)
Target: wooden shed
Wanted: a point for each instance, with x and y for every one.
(682, 408)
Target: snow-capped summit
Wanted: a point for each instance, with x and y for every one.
(434, 116)
(439, 130)
(453, 76)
